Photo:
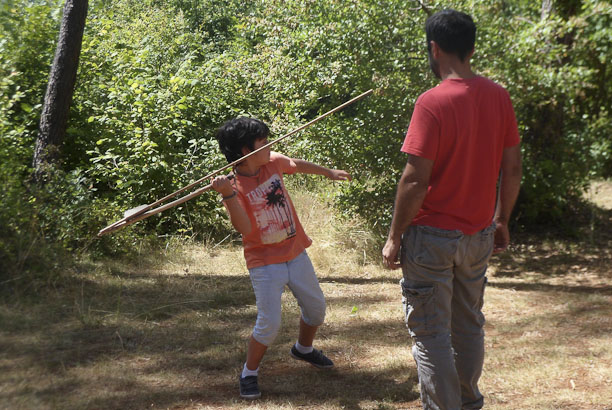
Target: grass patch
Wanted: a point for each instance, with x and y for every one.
(169, 329)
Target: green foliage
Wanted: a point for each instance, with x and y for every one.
(157, 78)
(27, 40)
(147, 107)
(26, 43)
(554, 68)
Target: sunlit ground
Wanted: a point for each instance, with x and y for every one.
(170, 331)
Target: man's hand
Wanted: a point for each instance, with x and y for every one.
(390, 254)
(222, 185)
(509, 187)
(502, 237)
(411, 192)
(339, 175)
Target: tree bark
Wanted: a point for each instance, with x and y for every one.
(58, 97)
(547, 9)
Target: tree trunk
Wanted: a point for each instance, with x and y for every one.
(56, 106)
(563, 8)
(547, 9)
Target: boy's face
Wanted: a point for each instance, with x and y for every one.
(262, 157)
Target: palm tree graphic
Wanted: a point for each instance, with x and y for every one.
(275, 198)
(272, 201)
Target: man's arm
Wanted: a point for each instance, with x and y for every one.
(411, 191)
(509, 185)
(305, 167)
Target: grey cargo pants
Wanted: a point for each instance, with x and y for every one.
(443, 289)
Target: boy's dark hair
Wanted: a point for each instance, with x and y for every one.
(454, 31)
(238, 133)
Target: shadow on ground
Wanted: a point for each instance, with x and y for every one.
(552, 253)
(128, 339)
(143, 340)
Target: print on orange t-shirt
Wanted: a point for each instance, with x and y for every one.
(271, 211)
(277, 235)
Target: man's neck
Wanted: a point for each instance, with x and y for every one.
(455, 69)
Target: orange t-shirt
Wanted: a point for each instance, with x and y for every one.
(463, 125)
(277, 235)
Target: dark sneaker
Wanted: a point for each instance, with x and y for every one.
(249, 388)
(315, 358)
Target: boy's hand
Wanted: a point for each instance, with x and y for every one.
(339, 175)
(222, 185)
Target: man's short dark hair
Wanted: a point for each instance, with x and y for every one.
(453, 31)
(238, 133)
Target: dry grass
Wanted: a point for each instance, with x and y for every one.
(600, 193)
(170, 331)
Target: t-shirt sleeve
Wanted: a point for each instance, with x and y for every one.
(284, 163)
(512, 135)
(423, 134)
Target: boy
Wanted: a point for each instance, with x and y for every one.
(274, 242)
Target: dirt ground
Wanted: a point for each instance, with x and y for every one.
(169, 330)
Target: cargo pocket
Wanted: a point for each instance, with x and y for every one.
(418, 299)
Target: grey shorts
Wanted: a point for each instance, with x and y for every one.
(269, 284)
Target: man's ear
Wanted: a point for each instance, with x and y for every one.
(471, 53)
(435, 49)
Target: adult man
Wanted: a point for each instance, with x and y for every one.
(462, 133)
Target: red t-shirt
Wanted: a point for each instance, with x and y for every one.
(277, 235)
(463, 125)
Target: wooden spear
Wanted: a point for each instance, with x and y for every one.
(144, 211)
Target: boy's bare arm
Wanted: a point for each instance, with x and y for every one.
(238, 216)
(305, 167)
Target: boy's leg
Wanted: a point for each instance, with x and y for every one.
(307, 333)
(249, 388)
(427, 258)
(305, 287)
(255, 353)
(268, 285)
(303, 349)
(304, 284)
(468, 320)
